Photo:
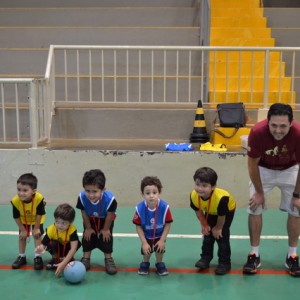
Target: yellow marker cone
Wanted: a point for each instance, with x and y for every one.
(199, 134)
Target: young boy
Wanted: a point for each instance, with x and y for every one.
(215, 209)
(29, 214)
(153, 220)
(61, 239)
(98, 207)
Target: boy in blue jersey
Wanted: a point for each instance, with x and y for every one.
(153, 220)
(61, 239)
(98, 209)
(214, 208)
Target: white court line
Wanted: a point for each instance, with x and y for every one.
(178, 236)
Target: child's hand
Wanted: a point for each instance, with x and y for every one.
(160, 246)
(59, 268)
(36, 233)
(146, 249)
(217, 233)
(87, 234)
(40, 249)
(106, 235)
(23, 235)
(206, 230)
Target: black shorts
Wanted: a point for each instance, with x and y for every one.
(152, 242)
(55, 248)
(97, 241)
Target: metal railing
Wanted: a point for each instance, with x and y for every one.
(25, 114)
(160, 74)
(131, 75)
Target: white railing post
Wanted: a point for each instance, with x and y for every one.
(33, 114)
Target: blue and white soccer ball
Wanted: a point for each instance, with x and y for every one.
(74, 271)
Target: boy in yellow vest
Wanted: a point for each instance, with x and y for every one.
(61, 239)
(214, 208)
(29, 214)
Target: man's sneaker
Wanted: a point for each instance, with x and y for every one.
(51, 264)
(222, 269)
(252, 264)
(144, 268)
(19, 262)
(292, 264)
(110, 266)
(38, 263)
(202, 264)
(161, 269)
(86, 262)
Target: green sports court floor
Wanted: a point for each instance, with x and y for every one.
(183, 249)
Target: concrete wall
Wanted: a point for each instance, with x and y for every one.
(60, 173)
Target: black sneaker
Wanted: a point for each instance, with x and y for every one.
(252, 264)
(292, 264)
(86, 262)
(161, 269)
(110, 266)
(38, 263)
(144, 268)
(51, 264)
(222, 269)
(19, 262)
(202, 264)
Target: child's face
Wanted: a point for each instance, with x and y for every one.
(93, 193)
(25, 191)
(203, 189)
(61, 225)
(151, 195)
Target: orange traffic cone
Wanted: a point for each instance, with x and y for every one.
(199, 134)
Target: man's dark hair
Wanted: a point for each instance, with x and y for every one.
(280, 109)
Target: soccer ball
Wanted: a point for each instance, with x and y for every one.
(74, 271)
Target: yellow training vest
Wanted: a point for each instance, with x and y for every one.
(217, 195)
(29, 208)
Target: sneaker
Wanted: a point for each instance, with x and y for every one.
(51, 265)
(161, 269)
(222, 269)
(86, 262)
(38, 263)
(202, 264)
(292, 264)
(252, 264)
(19, 262)
(144, 268)
(110, 266)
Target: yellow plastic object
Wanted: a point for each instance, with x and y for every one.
(228, 131)
(213, 147)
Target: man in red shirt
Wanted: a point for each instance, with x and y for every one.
(273, 161)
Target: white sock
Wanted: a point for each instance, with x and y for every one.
(22, 254)
(255, 250)
(292, 251)
(36, 255)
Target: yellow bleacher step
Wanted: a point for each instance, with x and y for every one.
(255, 97)
(247, 83)
(243, 42)
(219, 55)
(235, 3)
(245, 68)
(236, 11)
(247, 33)
(238, 22)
